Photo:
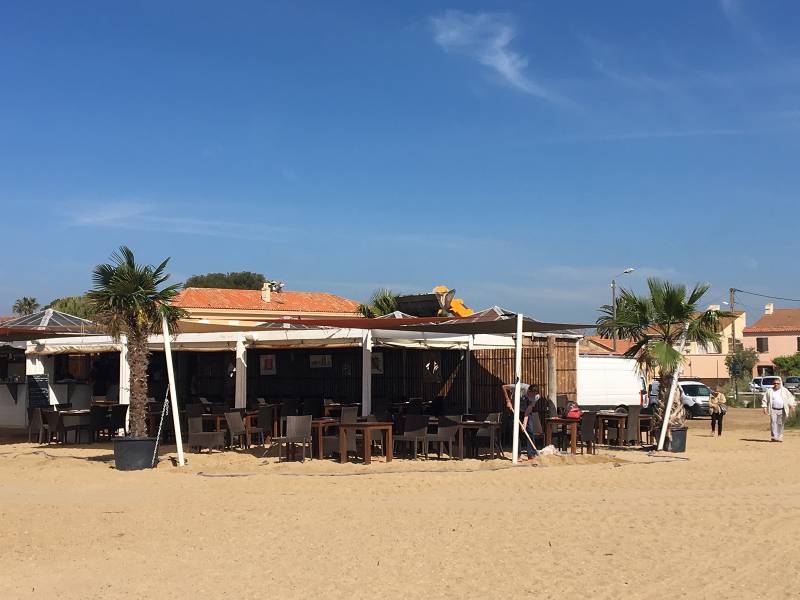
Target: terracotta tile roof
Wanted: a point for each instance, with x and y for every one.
(781, 320)
(295, 302)
(4, 319)
(594, 344)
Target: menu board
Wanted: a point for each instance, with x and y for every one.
(38, 391)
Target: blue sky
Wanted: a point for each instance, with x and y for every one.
(521, 152)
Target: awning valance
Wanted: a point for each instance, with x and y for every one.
(50, 349)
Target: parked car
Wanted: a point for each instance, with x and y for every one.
(762, 384)
(694, 397)
(792, 384)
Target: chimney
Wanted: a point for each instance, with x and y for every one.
(769, 308)
(266, 293)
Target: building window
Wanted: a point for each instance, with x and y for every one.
(798, 344)
(762, 344)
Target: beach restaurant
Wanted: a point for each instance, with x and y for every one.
(450, 366)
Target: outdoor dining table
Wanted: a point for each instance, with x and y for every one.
(218, 420)
(318, 425)
(494, 429)
(367, 428)
(572, 424)
(603, 416)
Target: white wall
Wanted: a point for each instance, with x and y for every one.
(13, 415)
(608, 381)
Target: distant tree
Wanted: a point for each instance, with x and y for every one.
(25, 306)
(79, 306)
(788, 365)
(238, 280)
(742, 358)
(382, 302)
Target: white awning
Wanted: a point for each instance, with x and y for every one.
(49, 349)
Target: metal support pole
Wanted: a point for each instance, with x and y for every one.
(173, 393)
(517, 388)
(675, 376)
(468, 354)
(366, 372)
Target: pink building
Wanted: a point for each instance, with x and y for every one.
(776, 333)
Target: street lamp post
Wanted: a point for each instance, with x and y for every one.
(614, 304)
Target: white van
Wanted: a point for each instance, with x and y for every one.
(609, 381)
(694, 397)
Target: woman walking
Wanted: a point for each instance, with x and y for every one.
(718, 407)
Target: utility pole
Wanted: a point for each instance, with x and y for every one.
(614, 309)
(732, 349)
(614, 305)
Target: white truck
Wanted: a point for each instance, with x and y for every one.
(605, 382)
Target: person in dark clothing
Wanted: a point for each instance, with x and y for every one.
(528, 397)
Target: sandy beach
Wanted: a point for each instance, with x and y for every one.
(718, 521)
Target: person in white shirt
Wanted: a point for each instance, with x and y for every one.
(778, 403)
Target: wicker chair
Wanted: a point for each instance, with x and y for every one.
(415, 431)
(587, 432)
(37, 423)
(119, 418)
(298, 431)
(446, 433)
(204, 439)
(238, 430)
(100, 418)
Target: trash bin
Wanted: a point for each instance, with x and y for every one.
(677, 439)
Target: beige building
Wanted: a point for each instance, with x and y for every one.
(707, 363)
(228, 309)
(776, 333)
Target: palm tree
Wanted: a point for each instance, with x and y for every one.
(382, 302)
(25, 306)
(127, 298)
(656, 324)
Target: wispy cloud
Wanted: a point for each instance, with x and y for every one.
(656, 134)
(487, 37)
(735, 14)
(147, 217)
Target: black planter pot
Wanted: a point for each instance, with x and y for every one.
(133, 454)
(677, 441)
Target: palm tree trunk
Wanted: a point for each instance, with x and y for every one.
(138, 356)
(664, 385)
(677, 414)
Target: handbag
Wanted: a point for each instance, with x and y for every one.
(573, 411)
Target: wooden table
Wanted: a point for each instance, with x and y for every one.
(600, 428)
(562, 422)
(318, 425)
(649, 420)
(494, 428)
(367, 427)
(220, 419)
